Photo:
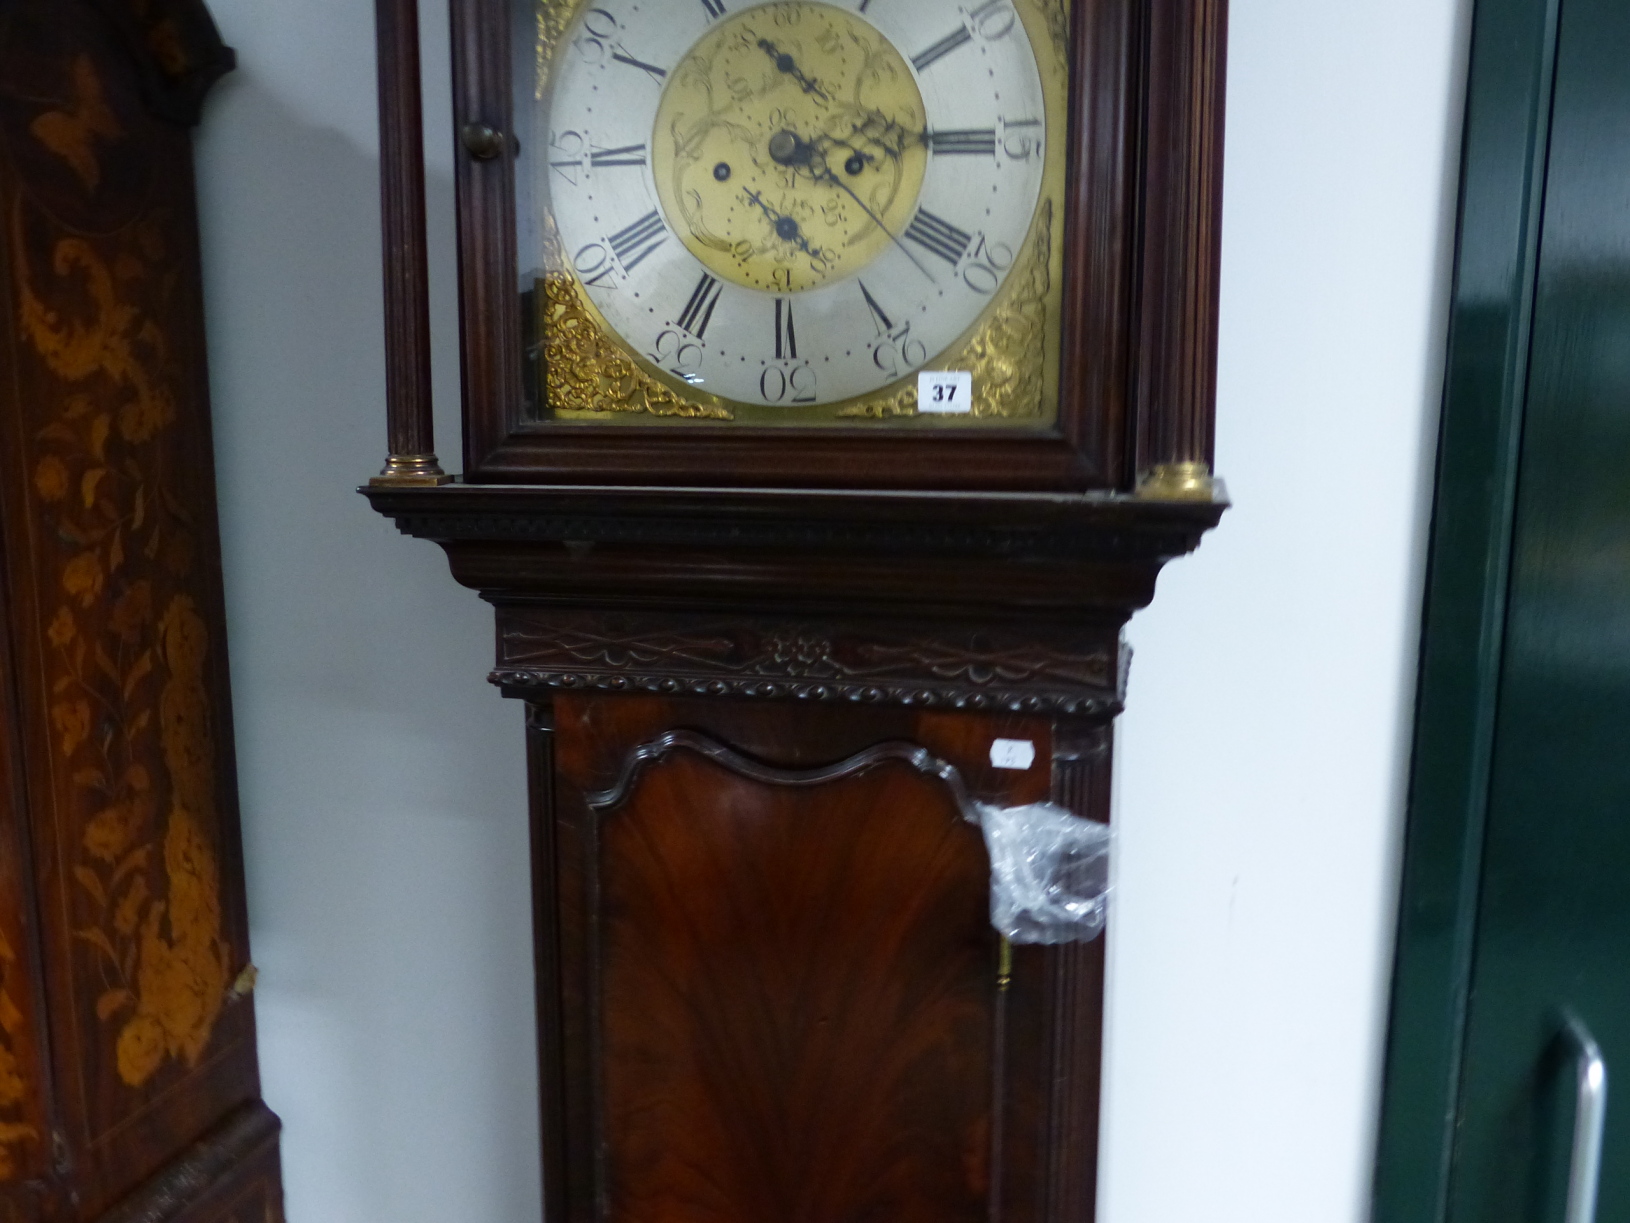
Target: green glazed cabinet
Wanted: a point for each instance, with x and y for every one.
(1511, 1006)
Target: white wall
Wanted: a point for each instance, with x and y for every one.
(1261, 764)
(382, 777)
(1264, 754)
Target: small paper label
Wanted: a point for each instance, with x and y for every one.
(1013, 754)
(945, 390)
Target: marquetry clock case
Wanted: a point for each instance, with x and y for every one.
(837, 378)
(129, 1090)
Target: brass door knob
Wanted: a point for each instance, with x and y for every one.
(483, 142)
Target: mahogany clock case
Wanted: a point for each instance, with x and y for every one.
(767, 985)
(806, 646)
(1136, 383)
(780, 994)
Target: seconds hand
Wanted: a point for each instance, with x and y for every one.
(786, 64)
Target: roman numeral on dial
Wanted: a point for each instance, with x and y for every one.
(628, 155)
(633, 244)
(938, 237)
(715, 9)
(650, 70)
(698, 312)
(879, 320)
(786, 343)
(972, 142)
(941, 49)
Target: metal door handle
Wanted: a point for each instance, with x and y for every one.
(1590, 1113)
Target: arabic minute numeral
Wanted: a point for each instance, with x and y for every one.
(986, 265)
(1020, 138)
(938, 237)
(993, 19)
(599, 40)
(677, 355)
(897, 347)
(599, 29)
(786, 342)
(569, 145)
(776, 385)
(633, 244)
(594, 266)
(698, 312)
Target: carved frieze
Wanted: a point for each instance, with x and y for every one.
(1045, 669)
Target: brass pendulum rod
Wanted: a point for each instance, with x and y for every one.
(411, 423)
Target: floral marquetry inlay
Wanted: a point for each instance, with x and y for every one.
(13, 1086)
(72, 133)
(127, 646)
(129, 1087)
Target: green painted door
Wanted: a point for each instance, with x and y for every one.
(1553, 924)
(1516, 905)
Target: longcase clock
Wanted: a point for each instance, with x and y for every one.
(129, 1084)
(837, 378)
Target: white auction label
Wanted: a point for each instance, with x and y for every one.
(1013, 753)
(945, 390)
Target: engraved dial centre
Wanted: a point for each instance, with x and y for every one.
(789, 146)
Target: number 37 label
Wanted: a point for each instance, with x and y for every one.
(945, 391)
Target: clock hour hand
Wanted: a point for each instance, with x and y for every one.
(786, 64)
(787, 149)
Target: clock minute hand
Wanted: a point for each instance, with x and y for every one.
(877, 221)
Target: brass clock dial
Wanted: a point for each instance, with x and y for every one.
(793, 204)
(786, 189)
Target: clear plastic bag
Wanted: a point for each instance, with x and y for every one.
(1049, 872)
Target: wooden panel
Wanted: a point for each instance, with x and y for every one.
(972, 665)
(25, 1125)
(797, 998)
(122, 721)
(761, 999)
(1082, 756)
(1176, 373)
(231, 1175)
